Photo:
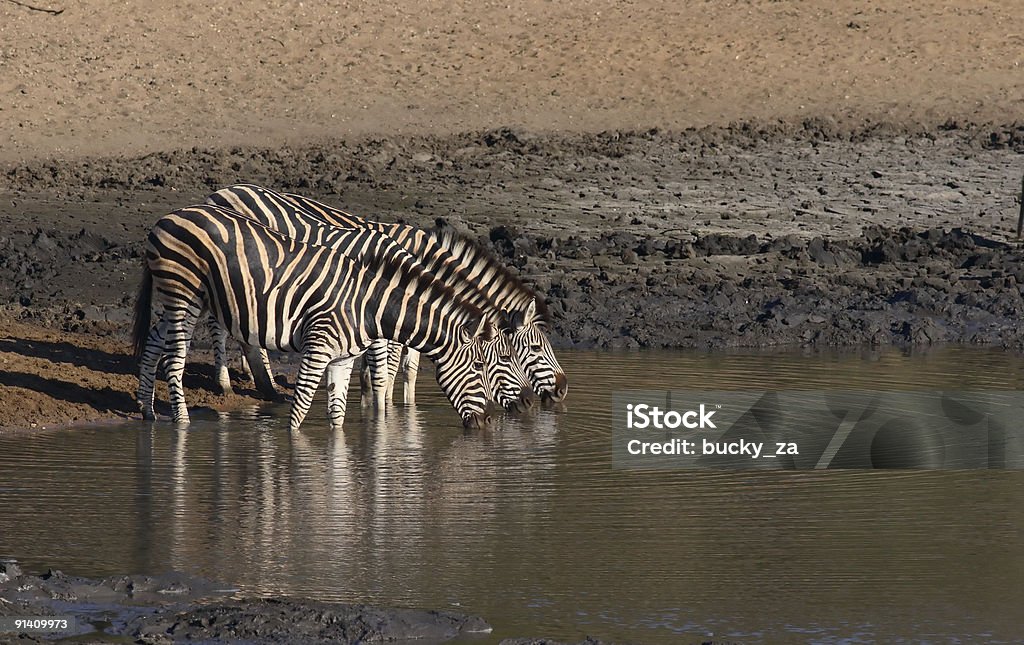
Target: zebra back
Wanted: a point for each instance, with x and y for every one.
(250, 273)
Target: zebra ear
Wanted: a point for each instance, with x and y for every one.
(516, 319)
(490, 332)
(473, 330)
(531, 310)
(482, 329)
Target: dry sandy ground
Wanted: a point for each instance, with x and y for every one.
(417, 92)
(133, 76)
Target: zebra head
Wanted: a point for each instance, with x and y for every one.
(460, 371)
(533, 349)
(508, 382)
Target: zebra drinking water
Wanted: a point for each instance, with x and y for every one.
(270, 291)
(506, 379)
(469, 270)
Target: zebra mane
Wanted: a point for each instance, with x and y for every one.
(401, 261)
(472, 254)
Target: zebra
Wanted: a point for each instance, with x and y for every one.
(468, 269)
(270, 291)
(509, 384)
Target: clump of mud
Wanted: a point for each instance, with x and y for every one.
(175, 608)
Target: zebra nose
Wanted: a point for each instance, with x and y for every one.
(560, 390)
(561, 386)
(477, 420)
(527, 399)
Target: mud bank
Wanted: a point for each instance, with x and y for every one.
(748, 235)
(175, 608)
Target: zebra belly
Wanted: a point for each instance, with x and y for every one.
(264, 331)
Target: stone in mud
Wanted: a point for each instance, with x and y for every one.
(8, 571)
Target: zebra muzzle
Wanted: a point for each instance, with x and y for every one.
(527, 400)
(478, 420)
(560, 390)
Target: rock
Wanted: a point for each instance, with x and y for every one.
(818, 251)
(9, 570)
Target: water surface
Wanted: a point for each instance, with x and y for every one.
(529, 526)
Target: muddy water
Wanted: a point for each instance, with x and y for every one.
(529, 526)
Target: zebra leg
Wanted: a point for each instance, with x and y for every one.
(365, 383)
(260, 366)
(245, 365)
(220, 355)
(179, 334)
(264, 361)
(339, 372)
(412, 369)
(377, 359)
(164, 362)
(151, 357)
(394, 360)
(311, 371)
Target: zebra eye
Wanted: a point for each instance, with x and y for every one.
(535, 347)
(478, 365)
(506, 357)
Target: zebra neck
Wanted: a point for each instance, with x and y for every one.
(424, 320)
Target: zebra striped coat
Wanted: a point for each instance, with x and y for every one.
(505, 377)
(270, 291)
(470, 271)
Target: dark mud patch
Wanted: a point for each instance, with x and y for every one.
(175, 608)
(333, 167)
(888, 286)
(594, 641)
(754, 234)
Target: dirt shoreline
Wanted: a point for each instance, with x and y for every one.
(174, 608)
(751, 235)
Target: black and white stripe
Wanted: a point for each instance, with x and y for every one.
(470, 271)
(271, 291)
(505, 376)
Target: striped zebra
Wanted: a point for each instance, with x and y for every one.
(270, 291)
(506, 379)
(469, 270)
